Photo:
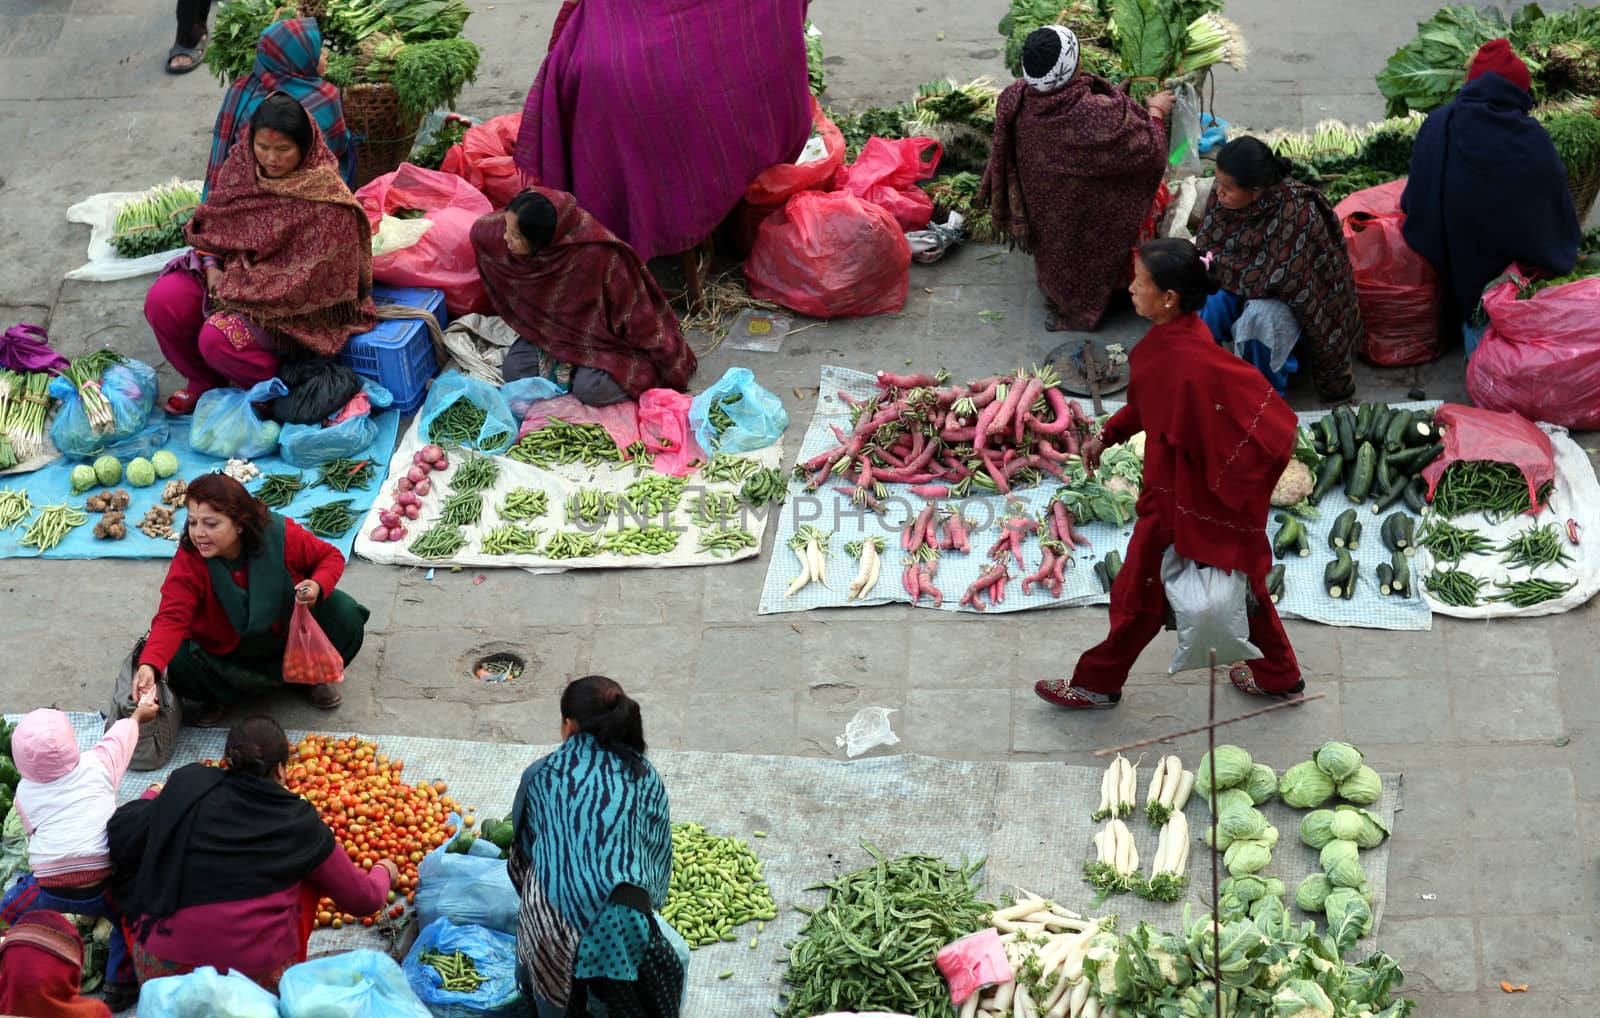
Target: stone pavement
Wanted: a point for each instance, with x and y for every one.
(1496, 867)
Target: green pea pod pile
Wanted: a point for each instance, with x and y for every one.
(457, 971)
(524, 504)
(726, 542)
(510, 539)
(713, 510)
(716, 885)
(639, 541)
(653, 495)
(765, 485)
(559, 442)
(571, 544)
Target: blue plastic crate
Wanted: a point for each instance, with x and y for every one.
(398, 352)
(413, 296)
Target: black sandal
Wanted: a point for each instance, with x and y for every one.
(196, 55)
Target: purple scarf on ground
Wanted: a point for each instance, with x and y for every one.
(657, 114)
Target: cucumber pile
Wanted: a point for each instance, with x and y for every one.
(1377, 452)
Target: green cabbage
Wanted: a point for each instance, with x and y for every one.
(1301, 998)
(1261, 784)
(1349, 916)
(1247, 856)
(83, 478)
(1246, 822)
(141, 472)
(1372, 830)
(1364, 786)
(165, 462)
(1335, 851)
(1347, 825)
(1312, 892)
(1245, 889)
(1316, 828)
(1338, 760)
(1344, 869)
(1304, 786)
(1233, 767)
(108, 469)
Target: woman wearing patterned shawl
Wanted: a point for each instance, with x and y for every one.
(1270, 237)
(290, 59)
(591, 821)
(581, 300)
(282, 262)
(1075, 166)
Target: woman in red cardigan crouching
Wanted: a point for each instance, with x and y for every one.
(222, 627)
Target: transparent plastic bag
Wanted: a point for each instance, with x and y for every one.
(499, 427)
(523, 393)
(130, 390)
(1183, 151)
(226, 424)
(494, 957)
(1212, 612)
(309, 657)
(205, 993)
(357, 984)
(758, 417)
(869, 729)
(351, 431)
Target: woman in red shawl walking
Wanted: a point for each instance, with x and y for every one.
(580, 299)
(1217, 437)
(281, 266)
(1075, 166)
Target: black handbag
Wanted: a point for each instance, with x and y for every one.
(158, 737)
(658, 991)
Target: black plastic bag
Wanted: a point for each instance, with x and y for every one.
(318, 388)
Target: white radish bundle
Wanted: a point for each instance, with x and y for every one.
(871, 563)
(1168, 869)
(1046, 946)
(1169, 790)
(809, 545)
(1119, 790)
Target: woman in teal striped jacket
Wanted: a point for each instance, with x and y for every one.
(591, 817)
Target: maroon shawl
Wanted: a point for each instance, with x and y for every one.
(1071, 178)
(296, 252)
(585, 298)
(41, 970)
(1288, 245)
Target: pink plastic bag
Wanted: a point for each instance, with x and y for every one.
(777, 184)
(309, 657)
(483, 158)
(621, 420)
(886, 174)
(1397, 289)
(443, 258)
(831, 255)
(973, 962)
(664, 427)
(1474, 434)
(1541, 356)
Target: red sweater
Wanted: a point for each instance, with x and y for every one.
(190, 611)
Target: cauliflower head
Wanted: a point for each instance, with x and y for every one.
(1294, 485)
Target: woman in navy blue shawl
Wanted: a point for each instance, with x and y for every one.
(1487, 187)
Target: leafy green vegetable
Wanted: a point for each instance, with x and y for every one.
(814, 71)
(1426, 72)
(428, 75)
(1338, 760)
(1233, 765)
(239, 24)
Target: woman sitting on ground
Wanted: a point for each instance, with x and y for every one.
(1074, 170)
(240, 568)
(1269, 237)
(41, 969)
(289, 59)
(224, 866)
(281, 266)
(586, 310)
(591, 859)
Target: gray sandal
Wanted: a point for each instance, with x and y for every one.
(196, 55)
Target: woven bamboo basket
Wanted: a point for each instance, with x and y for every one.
(386, 132)
(310, 8)
(1585, 187)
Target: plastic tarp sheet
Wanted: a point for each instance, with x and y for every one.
(51, 485)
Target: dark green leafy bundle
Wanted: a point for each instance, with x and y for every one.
(1588, 265)
(239, 24)
(958, 193)
(429, 75)
(1426, 72)
(1576, 135)
(346, 23)
(814, 71)
(1388, 149)
(873, 122)
(431, 156)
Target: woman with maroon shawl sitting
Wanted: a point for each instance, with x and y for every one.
(1217, 437)
(1075, 166)
(41, 970)
(281, 266)
(1270, 237)
(581, 301)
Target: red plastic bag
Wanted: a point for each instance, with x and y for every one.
(483, 159)
(1397, 289)
(777, 184)
(886, 174)
(443, 258)
(621, 420)
(1474, 434)
(310, 659)
(1541, 356)
(664, 428)
(831, 255)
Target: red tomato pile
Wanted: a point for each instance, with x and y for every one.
(372, 813)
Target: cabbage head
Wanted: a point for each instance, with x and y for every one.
(1344, 870)
(1304, 786)
(1242, 822)
(1364, 786)
(1335, 851)
(1262, 783)
(1347, 825)
(1372, 832)
(1312, 892)
(1233, 766)
(1244, 889)
(1275, 887)
(1301, 998)
(1316, 828)
(1230, 799)
(1349, 917)
(1338, 760)
(1246, 856)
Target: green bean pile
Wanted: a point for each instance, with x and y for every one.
(1449, 542)
(765, 485)
(457, 972)
(1498, 490)
(509, 539)
(524, 504)
(278, 490)
(560, 442)
(571, 544)
(14, 506)
(1454, 587)
(1526, 593)
(590, 506)
(1535, 547)
(716, 885)
(726, 542)
(639, 541)
(728, 467)
(653, 495)
(475, 473)
(639, 457)
(460, 423)
(462, 509)
(344, 474)
(714, 510)
(50, 526)
(331, 519)
(439, 541)
(718, 417)
(871, 946)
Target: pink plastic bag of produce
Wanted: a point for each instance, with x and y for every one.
(1474, 434)
(974, 961)
(483, 158)
(1540, 356)
(886, 174)
(831, 255)
(443, 258)
(664, 427)
(621, 420)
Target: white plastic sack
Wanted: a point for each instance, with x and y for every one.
(477, 345)
(99, 213)
(1187, 208)
(1212, 613)
(869, 729)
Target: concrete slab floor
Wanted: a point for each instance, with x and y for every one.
(1495, 725)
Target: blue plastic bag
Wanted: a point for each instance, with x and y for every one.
(758, 416)
(142, 443)
(129, 388)
(499, 428)
(494, 956)
(524, 392)
(205, 993)
(226, 425)
(468, 890)
(309, 445)
(357, 984)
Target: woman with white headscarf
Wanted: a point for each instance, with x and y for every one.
(1074, 169)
